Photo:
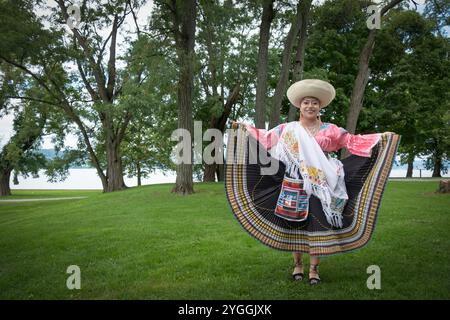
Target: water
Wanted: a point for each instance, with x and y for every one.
(401, 173)
(88, 179)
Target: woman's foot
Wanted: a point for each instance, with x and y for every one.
(314, 278)
(297, 274)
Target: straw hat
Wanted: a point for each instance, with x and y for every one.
(316, 88)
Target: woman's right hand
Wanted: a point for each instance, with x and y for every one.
(235, 124)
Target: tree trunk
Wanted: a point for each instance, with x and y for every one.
(285, 66)
(300, 56)
(15, 178)
(184, 184)
(409, 172)
(220, 172)
(114, 173)
(261, 80)
(5, 176)
(437, 167)
(444, 186)
(219, 123)
(209, 175)
(139, 173)
(185, 15)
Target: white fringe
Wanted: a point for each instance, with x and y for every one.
(292, 165)
(334, 217)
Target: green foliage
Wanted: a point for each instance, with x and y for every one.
(147, 146)
(336, 34)
(35, 110)
(408, 86)
(57, 169)
(413, 92)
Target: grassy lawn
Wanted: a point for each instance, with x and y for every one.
(146, 243)
(40, 194)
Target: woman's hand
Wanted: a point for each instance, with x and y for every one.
(235, 124)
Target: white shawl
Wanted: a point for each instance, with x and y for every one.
(323, 176)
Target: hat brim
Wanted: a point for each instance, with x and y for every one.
(319, 89)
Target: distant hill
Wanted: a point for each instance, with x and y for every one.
(51, 153)
(48, 153)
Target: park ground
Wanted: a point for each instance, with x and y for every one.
(147, 243)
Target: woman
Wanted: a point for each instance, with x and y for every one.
(314, 203)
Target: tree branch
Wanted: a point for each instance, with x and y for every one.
(112, 60)
(389, 6)
(135, 19)
(36, 77)
(33, 99)
(123, 127)
(98, 74)
(91, 91)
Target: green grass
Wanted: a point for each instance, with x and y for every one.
(40, 194)
(146, 243)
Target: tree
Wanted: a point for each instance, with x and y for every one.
(183, 22)
(409, 96)
(19, 153)
(89, 99)
(114, 121)
(261, 80)
(362, 77)
(297, 73)
(225, 70)
(438, 11)
(146, 145)
(286, 63)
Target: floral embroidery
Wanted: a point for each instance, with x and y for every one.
(296, 147)
(314, 174)
(291, 143)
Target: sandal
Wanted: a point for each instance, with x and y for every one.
(315, 279)
(298, 271)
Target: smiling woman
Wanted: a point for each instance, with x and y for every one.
(314, 203)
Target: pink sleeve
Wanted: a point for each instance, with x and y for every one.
(268, 138)
(357, 144)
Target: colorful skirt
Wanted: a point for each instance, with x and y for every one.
(253, 198)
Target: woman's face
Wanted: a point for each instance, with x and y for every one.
(309, 108)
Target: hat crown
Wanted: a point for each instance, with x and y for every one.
(319, 89)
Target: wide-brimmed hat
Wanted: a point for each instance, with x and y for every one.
(316, 88)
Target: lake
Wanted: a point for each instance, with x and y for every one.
(87, 178)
